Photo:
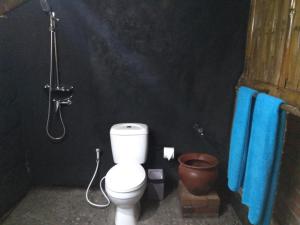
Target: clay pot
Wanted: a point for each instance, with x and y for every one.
(198, 172)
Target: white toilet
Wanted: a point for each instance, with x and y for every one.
(125, 182)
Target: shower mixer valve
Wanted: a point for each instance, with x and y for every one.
(60, 95)
(60, 102)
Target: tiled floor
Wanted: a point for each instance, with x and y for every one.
(63, 206)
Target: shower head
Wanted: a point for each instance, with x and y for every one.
(45, 6)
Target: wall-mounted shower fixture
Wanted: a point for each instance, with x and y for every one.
(210, 139)
(60, 95)
(57, 95)
(198, 129)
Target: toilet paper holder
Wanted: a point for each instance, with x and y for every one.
(169, 153)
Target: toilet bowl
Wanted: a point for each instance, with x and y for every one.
(125, 183)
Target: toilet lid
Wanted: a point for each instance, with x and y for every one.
(125, 177)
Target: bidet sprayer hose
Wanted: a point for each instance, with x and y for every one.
(100, 184)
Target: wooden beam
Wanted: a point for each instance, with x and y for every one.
(277, 92)
(8, 5)
(291, 109)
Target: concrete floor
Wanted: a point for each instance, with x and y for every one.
(64, 206)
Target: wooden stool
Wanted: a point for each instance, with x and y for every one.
(193, 205)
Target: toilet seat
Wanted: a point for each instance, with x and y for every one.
(124, 178)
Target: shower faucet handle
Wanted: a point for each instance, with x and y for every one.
(66, 101)
(59, 102)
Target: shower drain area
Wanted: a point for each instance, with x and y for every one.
(65, 206)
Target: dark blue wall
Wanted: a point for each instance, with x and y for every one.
(14, 177)
(169, 64)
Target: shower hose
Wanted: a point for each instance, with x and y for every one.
(53, 46)
(100, 184)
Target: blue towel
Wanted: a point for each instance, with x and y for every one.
(264, 156)
(239, 137)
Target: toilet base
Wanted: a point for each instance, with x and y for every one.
(127, 215)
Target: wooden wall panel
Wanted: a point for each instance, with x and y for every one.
(291, 72)
(272, 61)
(272, 65)
(266, 40)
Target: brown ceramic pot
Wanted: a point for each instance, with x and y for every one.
(198, 172)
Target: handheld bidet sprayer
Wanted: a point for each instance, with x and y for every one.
(100, 184)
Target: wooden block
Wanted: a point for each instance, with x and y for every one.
(193, 205)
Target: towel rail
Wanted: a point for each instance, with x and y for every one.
(291, 109)
(286, 107)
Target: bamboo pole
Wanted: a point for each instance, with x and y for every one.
(291, 109)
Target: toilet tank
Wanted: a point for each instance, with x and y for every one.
(129, 142)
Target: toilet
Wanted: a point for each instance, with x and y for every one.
(125, 183)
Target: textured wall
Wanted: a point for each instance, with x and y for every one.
(14, 179)
(169, 64)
